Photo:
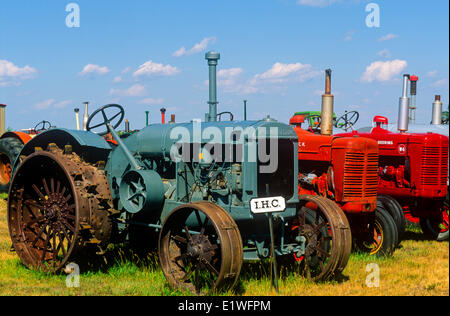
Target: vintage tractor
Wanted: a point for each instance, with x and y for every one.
(201, 186)
(11, 144)
(413, 171)
(344, 169)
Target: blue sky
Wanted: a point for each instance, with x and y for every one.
(149, 54)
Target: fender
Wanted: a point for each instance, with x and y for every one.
(89, 146)
(23, 137)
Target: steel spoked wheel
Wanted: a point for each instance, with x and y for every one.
(200, 249)
(52, 219)
(327, 238)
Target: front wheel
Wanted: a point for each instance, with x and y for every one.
(326, 234)
(437, 227)
(200, 248)
(382, 237)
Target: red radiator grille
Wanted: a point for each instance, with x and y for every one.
(434, 166)
(360, 175)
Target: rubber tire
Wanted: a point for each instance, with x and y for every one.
(389, 230)
(396, 211)
(9, 147)
(429, 229)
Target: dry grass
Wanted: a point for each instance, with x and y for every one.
(419, 267)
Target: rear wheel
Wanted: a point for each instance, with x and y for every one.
(437, 227)
(383, 236)
(9, 150)
(396, 211)
(58, 210)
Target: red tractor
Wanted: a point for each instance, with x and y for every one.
(413, 172)
(344, 169)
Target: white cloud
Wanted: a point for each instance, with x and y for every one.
(12, 75)
(316, 3)
(136, 90)
(126, 70)
(151, 68)
(431, 73)
(197, 48)
(440, 83)
(152, 101)
(62, 104)
(349, 36)
(387, 37)
(384, 53)
(44, 104)
(383, 70)
(117, 79)
(282, 72)
(94, 69)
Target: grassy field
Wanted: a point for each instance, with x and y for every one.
(419, 267)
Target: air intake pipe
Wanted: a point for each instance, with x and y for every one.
(77, 118)
(86, 115)
(163, 116)
(2, 119)
(327, 107)
(403, 112)
(212, 58)
(413, 92)
(437, 111)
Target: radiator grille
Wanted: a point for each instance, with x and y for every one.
(434, 165)
(360, 175)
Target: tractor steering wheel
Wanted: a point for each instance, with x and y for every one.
(316, 121)
(106, 121)
(348, 120)
(44, 127)
(219, 116)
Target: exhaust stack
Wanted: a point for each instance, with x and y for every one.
(86, 115)
(413, 92)
(437, 111)
(172, 119)
(403, 113)
(146, 117)
(77, 118)
(212, 58)
(327, 107)
(2, 119)
(163, 116)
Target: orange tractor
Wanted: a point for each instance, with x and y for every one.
(11, 144)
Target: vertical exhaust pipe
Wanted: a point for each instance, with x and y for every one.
(413, 93)
(172, 119)
(212, 58)
(327, 107)
(127, 126)
(146, 117)
(437, 111)
(163, 116)
(86, 115)
(2, 119)
(77, 118)
(403, 112)
(245, 110)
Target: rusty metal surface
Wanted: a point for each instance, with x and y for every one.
(204, 254)
(58, 218)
